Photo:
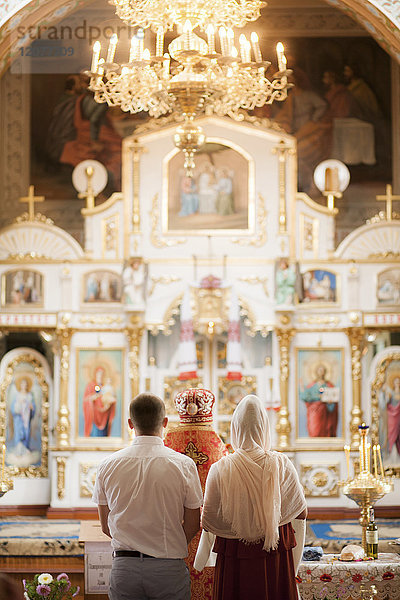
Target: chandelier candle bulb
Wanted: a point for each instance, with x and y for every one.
(96, 56)
(378, 448)
(280, 53)
(242, 45)
(256, 47)
(140, 47)
(187, 31)
(160, 42)
(134, 49)
(112, 46)
(166, 64)
(223, 41)
(211, 39)
(230, 40)
(375, 461)
(347, 453)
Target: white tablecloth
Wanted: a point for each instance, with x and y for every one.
(353, 142)
(332, 579)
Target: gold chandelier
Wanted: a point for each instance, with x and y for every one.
(193, 77)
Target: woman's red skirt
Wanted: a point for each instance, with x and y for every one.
(247, 572)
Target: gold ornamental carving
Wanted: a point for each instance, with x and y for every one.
(261, 218)
(101, 319)
(163, 280)
(136, 150)
(282, 150)
(356, 337)
(252, 280)
(320, 480)
(134, 335)
(87, 478)
(210, 305)
(63, 427)
(283, 427)
(317, 320)
(61, 462)
(156, 238)
(169, 318)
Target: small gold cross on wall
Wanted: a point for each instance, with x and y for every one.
(31, 199)
(388, 198)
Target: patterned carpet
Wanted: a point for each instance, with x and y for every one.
(35, 536)
(332, 536)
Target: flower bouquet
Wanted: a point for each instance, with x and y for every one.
(44, 586)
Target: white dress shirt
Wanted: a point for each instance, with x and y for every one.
(146, 487)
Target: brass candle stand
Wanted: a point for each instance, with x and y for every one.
(366, 488)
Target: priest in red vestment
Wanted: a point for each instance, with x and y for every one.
(195, 437)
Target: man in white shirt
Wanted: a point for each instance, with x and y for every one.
(149, 499)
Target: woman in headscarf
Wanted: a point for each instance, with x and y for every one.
(251, 498)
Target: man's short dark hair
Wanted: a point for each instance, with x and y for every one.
(147, 412)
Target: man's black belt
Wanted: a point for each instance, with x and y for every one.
(134, 553)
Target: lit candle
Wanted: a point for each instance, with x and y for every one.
(160, 41)
(256, 47)
(361, 458)
(112, 47)
(166, 63)
(280, 52)
(146, 54)
(3, 462)
(140, 37)
(375, 461)
(96, 56)
(100, 70)
(378, 447)
(347, 453)
(211, 39)
(230, 39)
(369, 458)
(242, 45)
(134, 51)
(223, 41)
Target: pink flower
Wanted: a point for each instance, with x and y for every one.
(62, 576)
(43, 590)
(77, 592)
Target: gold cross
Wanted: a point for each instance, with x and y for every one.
(31, 199)
(388, 198)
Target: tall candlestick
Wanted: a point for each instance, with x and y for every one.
(112, 47)
(378, 447)
(140, 46)
(160, 42)
(3, 462)
(369, 458)
(361, 458)
(96, 56)
(248, 51)
(256, 47)
(347, 453)
(280, 52)
(375, 461)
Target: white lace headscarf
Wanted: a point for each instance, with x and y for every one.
(253, 479)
